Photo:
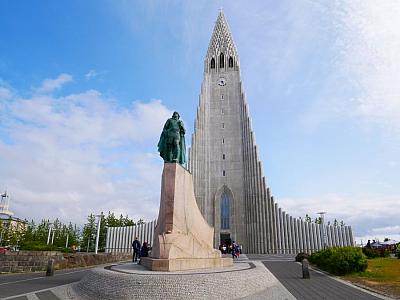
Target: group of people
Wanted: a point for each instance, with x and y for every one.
(234, 248)
(140, 250)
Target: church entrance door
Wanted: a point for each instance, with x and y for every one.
(226, 241)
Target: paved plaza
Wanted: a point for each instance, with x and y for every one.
(251, 278)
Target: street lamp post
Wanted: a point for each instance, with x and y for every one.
(66, 243)
(48, 236)
(98, 233)
(88, 242)
(321, 214)
(52, 238)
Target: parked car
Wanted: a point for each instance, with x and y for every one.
(3, 249)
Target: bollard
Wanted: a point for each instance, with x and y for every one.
(304, 267)
(50, 267)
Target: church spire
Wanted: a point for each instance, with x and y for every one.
(221, 55)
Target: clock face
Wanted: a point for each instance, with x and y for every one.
(221, 81)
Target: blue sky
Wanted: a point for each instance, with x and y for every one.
(86, 86)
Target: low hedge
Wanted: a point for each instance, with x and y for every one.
(37, 246)
(340, 260)
(374, 253)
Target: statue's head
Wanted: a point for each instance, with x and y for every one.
(175, 115)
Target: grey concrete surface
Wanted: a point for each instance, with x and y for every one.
(129, 282)
(319, 286)
(269, 277)
(18, 284)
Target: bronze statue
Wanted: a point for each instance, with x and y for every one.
(172, 146)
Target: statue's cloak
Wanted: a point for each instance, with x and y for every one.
(167, 141)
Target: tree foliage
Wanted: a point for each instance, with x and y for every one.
(32, 236)
(318, 220)
(90, 229)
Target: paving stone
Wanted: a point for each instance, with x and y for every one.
(131, 281)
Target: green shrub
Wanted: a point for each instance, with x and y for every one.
(340, 261)
(37, 246)
(374, 253)
(370, 253)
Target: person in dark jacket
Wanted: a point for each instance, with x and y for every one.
(145, 250)
(234, 247)
(136, 249)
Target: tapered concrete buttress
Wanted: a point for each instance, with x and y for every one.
(182, 239)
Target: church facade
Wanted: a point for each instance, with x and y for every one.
(229, 185)
(230, 188)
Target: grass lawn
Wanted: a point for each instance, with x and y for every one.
(382, 274)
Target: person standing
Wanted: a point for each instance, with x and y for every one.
(145, 250)
(234, 245)
(136, 249)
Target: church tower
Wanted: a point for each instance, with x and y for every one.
(216, 156)
(229, 185)
(228, 179)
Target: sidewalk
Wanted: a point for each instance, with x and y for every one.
(319, 286)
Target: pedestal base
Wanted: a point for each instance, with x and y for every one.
(181, 264)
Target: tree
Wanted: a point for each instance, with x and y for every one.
(318, 220)
(308, 219)
(89, 233)
(2, 233)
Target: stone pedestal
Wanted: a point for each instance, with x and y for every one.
(182, 239)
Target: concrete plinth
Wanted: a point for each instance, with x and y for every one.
(182, 239)
(132, 281)
(180, 264)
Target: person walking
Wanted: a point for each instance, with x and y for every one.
(234, 245)
(136, 249)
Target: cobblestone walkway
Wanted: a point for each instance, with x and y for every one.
(319, 286)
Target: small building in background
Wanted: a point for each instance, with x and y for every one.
(9, 224)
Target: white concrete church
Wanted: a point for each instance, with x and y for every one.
(229, 184)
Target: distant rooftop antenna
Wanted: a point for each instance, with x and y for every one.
(5, 204)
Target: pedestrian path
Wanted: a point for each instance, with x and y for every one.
(272, 257)
(319, 286)
(42, 295)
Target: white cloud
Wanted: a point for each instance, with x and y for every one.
(369, 215)
(387, 230)
(372, 55)
(5, 93)
(81, 153)
(363, 83)
(50, 85)
(91, 74)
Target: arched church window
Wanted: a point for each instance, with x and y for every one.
(224, 211)
(212, 64)
(230, 62)
(221, 60)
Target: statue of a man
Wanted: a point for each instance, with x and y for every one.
(172, 146)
